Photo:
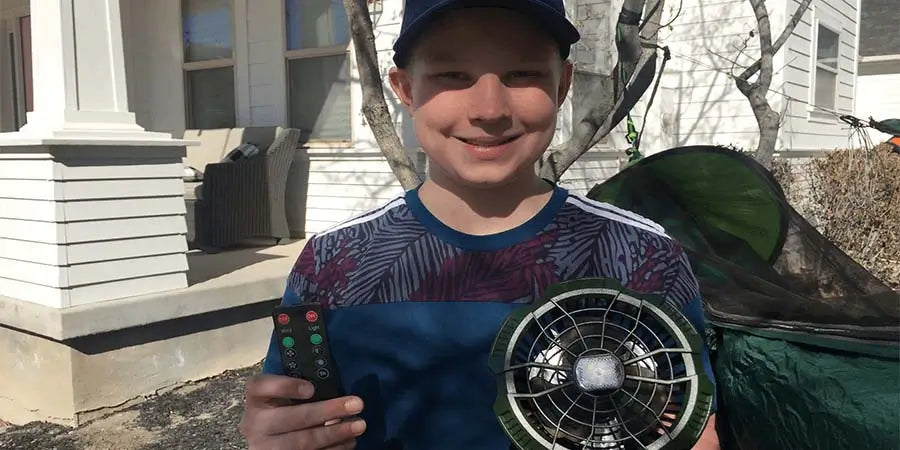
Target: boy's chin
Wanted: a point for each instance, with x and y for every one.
(493, 178)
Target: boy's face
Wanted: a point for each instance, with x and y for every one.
(483, 88)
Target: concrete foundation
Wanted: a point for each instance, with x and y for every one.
(70, 382)
(71, 365)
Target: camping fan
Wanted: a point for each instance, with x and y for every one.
(595, 366)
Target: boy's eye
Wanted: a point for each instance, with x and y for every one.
(525, 74)
(456, 76)
(523, 77)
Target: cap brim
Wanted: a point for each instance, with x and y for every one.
(551, 20)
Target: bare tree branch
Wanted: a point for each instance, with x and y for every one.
(740, 51)
(375, 108)
(768, 120)
(766, 52)
(608, 98)
(788, 30)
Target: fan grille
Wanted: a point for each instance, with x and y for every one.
(599, 327)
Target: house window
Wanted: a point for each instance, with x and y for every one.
(826, 68)
(14, 95)
(19, 71)
(25, 51)
(207, 36)
(317, 36)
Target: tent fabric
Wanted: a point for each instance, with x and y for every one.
(790, 312)
(783, 395)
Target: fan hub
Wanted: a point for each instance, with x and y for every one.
(599, 373)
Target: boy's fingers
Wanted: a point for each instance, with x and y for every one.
(312, 415)
(666, 421)
(349, 445)
(264, 388)
(330, 437)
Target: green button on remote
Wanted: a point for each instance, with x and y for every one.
(315, 339)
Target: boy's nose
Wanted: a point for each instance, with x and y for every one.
(489, 102)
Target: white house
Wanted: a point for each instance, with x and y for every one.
(232, 63)
(878, 93)
(99, 297)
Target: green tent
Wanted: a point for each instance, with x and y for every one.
(805, 342)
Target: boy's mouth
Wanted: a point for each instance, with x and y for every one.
(488, 142)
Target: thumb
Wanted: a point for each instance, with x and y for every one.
(263, 389)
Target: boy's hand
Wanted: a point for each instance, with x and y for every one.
(709, 440)
(269, 423)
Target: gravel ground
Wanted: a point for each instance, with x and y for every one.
(202, 415)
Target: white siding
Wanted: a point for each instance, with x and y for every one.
(707, 106)
(342, 185)
(805, 127)
(75, 229)
(592, 168)
(346, 181)
(709, 109)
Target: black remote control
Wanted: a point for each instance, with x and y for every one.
(303, 341)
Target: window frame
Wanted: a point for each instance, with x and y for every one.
(815, 110)
(15, 59)
(219, 63)
(311, 53)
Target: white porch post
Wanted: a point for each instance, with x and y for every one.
(79, 73)
(91, 204)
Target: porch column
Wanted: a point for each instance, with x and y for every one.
(79, 73)
(91, 204)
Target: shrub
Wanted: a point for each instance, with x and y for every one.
(856, 198)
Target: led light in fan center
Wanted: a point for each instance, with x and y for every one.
(599, 373)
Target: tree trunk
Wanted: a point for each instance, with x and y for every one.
(608, 102)
(768, 121)
(610, 96)
(375, 108)
(766, 118)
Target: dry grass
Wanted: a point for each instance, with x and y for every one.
(856, 198)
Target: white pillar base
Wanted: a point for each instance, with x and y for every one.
(88, 221)
(99, 133)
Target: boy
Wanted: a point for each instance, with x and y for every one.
(417, 289)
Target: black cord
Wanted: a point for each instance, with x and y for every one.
(667, 55)
(680, 4)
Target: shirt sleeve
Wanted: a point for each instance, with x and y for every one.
(296, 287)
(685, 291)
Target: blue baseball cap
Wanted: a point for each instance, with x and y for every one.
(418, 14)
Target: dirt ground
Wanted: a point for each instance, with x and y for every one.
(202, 415)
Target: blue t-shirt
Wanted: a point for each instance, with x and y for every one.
(413, 306)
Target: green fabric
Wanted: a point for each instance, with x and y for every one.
(690, 181)
(889, 126)
(847, 401)
(807, 355)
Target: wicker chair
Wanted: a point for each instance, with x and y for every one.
(244, 198)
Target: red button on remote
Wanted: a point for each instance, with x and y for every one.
(311, 316)
(284, 319)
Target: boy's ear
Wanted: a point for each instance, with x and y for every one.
(401, 85)
(565, 82)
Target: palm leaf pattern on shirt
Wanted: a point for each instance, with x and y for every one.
(394, 250)
(393, 257)
(503, 275)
